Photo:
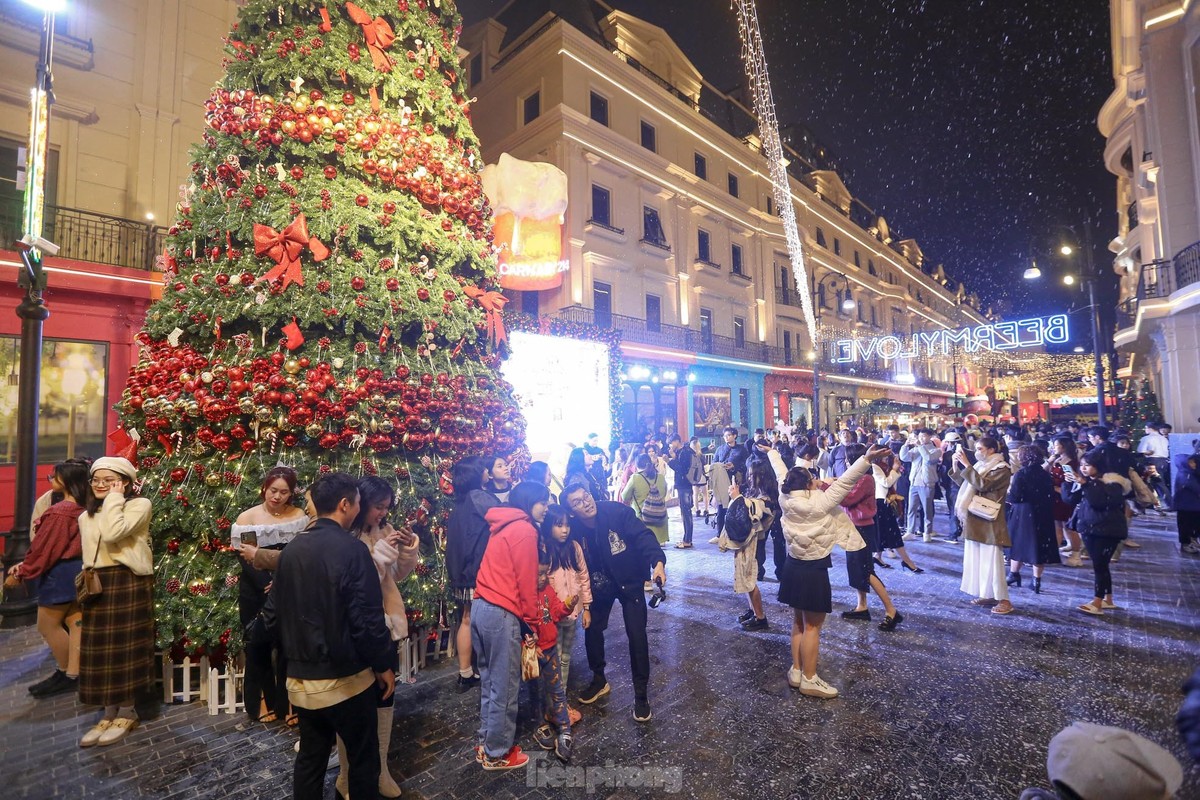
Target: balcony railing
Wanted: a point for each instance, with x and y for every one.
(88, 236)
(691, 340)
(1187, 265)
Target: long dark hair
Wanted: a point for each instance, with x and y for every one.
(94, 503)
(526, 494)
(73, 474)
(575, 462)
(562, 555)
(372, 490)
(1097, 460)
(1069, 447)
(761, 482)
(468, 476)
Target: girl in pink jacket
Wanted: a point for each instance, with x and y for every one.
(570, 578)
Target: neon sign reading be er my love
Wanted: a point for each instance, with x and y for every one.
(997, 336)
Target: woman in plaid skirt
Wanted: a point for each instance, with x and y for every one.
(117, 651)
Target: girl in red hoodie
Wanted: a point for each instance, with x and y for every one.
(504, 610)
(860, 565)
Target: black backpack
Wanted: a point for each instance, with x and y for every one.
(738, 525)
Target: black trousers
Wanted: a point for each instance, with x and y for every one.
(951, 499)
(1163, 488)
(633, 608)
(355, 721)
(778, 552)
(720, 518)
(266, 679)
(1188, 524)
(1101, 549)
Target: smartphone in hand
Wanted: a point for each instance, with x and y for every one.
(250, 537)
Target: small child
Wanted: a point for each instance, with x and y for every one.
(569, 577)
(554, 692)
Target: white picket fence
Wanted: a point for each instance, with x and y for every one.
(220, 688)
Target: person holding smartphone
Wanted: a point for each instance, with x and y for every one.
(395, 553)
(1098, 494)
(259, 534)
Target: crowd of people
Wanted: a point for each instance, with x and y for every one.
(530, 558)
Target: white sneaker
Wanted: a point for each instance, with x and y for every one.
(909, 537)
(715, 540)
(928, 537)
(795, 678)
(118, 730)
(815, 687)
(92, 737)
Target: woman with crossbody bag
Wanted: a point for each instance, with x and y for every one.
(646, 491)
(116, 654)
(980, 508)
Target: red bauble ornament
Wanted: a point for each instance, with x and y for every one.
(260, 191)
(177, 475)
(330, 172)
(357, 283)
(173, 546)
(422, 293)
(297, 173)
(392, 284)
(389, 207)
(362, 201)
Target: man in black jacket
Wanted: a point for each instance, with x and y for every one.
(327, 610)
(681, 465)
(620, 552)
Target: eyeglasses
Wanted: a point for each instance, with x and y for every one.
(579, 502)
(106, 481)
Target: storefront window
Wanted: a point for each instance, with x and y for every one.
(73, 399)
(648, 409)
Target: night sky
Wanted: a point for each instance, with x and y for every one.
(969, 124)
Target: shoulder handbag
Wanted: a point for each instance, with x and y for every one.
(87, 582)
(529, 661)
(983, 508)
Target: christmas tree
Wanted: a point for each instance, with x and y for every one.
(330, 296)
(1139, 408)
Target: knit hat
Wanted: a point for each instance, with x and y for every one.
(119, 465)
(1098, 762)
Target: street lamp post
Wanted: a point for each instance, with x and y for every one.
(847, 303)
(32, 311)
(1090, 276)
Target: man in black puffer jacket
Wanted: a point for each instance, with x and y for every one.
(326, 608)
(621, 552)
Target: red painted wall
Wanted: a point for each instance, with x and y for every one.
(87, 302)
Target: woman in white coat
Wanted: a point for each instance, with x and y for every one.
(813, 522)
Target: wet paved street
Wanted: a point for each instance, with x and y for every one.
(956, 703)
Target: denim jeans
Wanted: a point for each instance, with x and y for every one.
(920, 509)
(566, 640)
(496, 640)
(685, 511)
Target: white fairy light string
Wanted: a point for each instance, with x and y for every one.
(764, 108)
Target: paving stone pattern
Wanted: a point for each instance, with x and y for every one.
(956, 703)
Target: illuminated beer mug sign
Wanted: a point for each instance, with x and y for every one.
(529, 199)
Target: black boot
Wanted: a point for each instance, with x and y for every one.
(1037, 585)
(1014, 577)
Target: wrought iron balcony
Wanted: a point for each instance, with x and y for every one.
(88, 236)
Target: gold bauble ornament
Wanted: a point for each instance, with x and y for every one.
(246, 405)
(353, 421)
(212, 480)
(263, 415)
(314, 430)
(291, 366)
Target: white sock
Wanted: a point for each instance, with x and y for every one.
(466, 673)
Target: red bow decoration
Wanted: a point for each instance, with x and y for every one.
(326, 25)
(493, 304)
(284, 248)
(124, 444)
(378, 34)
